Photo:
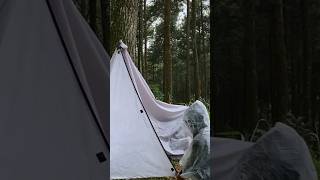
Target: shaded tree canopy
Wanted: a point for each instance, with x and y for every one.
(140, 24)
(266, 66)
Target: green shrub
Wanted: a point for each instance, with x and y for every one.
(157, 91)
(317, 165)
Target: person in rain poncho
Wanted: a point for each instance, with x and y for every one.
(195, 162)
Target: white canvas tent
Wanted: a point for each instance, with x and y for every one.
(143, 130)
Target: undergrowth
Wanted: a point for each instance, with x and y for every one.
(317, 165)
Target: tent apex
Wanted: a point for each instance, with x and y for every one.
(122, 45)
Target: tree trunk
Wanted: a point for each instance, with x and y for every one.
(204, 55)
(83, 7)
(167, 52)
(249, 62)
(124, 18)
(307, 60)
(188, 88)
(213, 78)
(140, 36)
(279, 77)
(197, 85)
(93, 14)
(145, 33)
(105, 19)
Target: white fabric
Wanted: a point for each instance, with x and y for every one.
(166, 118)
(135, 149)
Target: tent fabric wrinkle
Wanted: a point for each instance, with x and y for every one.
(143, 130)
(135, 150)
(47, 127)
(280, 154)
(88, 72)
(166, 118)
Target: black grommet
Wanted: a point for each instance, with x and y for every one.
(172, 169)
(141, 111)
(101, 157)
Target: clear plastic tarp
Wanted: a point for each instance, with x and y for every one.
(195, 162)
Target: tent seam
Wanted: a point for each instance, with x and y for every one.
(77, 77)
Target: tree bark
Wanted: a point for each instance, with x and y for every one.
(167, 52)
(188, 87)
(140, 36)
(145, 33)
(93, 14)
(124, 23)
(249, 62)
(105, 14)
(307, 60)
(204, 55)
(83, 7)
(197, 84)
(213, 79)
(279, 77)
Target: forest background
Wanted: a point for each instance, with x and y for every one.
(168, 40)
(266, 58)
(264, 65)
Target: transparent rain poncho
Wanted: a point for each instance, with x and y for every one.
(280, 154)
(195, 162)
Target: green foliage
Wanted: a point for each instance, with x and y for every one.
(316, 162)
(178, 48)
(157, 91)
(306, 130)
(231, 134)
